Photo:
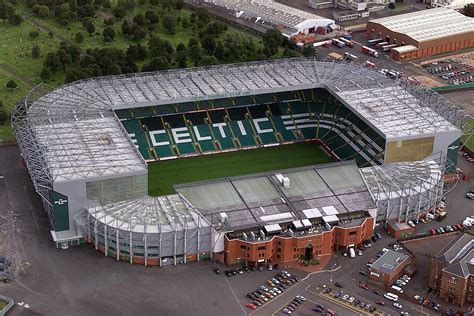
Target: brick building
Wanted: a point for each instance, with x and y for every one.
(389, 267)
(281, 217)
(452, 271)
(424, 33)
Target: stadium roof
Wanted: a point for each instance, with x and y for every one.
(393, 180)
(334, 189)
(149, 215)
(72, 132)
(426, 25)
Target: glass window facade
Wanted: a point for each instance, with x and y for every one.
(117, 189)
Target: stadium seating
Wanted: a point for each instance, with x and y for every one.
(202, 126)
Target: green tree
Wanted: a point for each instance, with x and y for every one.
(136, 52)
(181, 55)
(3, 114)
(109, 32)
(6, 9)
(79, 38)
(469, 9)
(308, 50)
(34, 34)
(35, 51)
(41, 11)
(195, 53)
(45, 74)
(11, 85)
(203, 15)
(209, 60)
(391, 5)
(139, 19)
(170, 23)
(89, 26)
(157, 63)
(15, 19)
(272, 40)
(160, 47)
(52, 62)
(209, 43)
(151, 17)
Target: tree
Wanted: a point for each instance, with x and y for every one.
(181, 55)
(209, 60)
(272, 40)
(89, 26)
(15, 19)
(391, 5)
(34, 34)
(170, 23)
(160, 47)
(3, 114)
(203, 15)
(45, 74)
(79, 38)
(139, 19)
(308, 50)
(52, 62)
(157, 63)
(109, 32)
(41, 11)
(35, 51)
(195, 54)
(469, 9)
(136, 52)
(151, 17)
(6, 9)
(11, 85)
(209, 44)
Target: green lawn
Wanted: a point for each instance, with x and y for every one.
(468, 140)
(163, 174)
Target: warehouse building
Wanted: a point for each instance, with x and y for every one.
(424, 33)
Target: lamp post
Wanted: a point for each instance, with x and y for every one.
(332, 269)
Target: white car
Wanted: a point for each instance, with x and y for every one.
(398, 305)
(411, 223)
(351, 299)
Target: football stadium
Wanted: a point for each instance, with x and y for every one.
(235, 161)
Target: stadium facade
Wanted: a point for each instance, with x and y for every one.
(87, 144)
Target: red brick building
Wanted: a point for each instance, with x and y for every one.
(452, 271)
(424, 33)
(389, 267)
(289, 247)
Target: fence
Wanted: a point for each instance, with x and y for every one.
(8, 306)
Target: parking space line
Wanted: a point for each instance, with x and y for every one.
(235, 295)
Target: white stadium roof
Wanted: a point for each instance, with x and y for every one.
(428, 25)
(72, 132)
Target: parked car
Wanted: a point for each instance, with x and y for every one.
(363, 286)
(228, 273)
(377, 292)
(251, 306)
(240, 271)
(380, 302)
(217, 271)
(398, 305)
(338, 284)
(364, 272)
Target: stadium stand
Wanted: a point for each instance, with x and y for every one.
(193, 128)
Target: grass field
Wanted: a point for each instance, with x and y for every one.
(163, 174)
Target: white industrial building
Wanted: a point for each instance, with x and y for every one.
(450, 4)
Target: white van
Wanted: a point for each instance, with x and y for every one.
(431, 216)
(391, 296)
(352, 253)
(397, 288)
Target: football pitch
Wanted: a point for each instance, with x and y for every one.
(163, 174)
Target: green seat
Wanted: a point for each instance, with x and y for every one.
(204, 132)
(123, 114)
(245, 140)
(138, 136)
(287, 135)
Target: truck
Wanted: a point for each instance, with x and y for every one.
(370, 51)
(347, 42)
(338, 43)
(349, 56)
(379, 45)
(374, 41)
(388, 47)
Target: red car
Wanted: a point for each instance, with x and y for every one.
(251, 306)
(432, 231)
(363, 286)
(380, 302)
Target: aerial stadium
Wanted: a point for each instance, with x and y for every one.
(235, 161)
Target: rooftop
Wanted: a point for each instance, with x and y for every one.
(54, 128)
(268, 11)
(426, 25)
(392, 180)
(389, 261)
(149, 215)
(459, 255)
(325, 192)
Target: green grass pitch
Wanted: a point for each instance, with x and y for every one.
(163, 174)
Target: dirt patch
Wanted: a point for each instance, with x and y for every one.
(429, 82)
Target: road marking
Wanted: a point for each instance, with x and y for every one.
(235, 295)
